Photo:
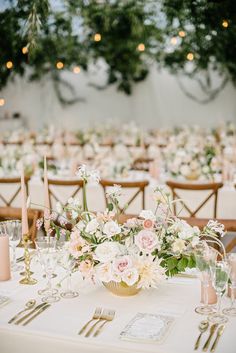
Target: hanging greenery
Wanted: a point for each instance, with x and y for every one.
(41, 38)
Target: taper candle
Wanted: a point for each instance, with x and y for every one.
(5, 271)
(46, 198)
(24, 216)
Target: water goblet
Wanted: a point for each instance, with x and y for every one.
(231, 259)
(220, 275)
(68, 263)
(13, 229)
(48, 257)
(205, 256)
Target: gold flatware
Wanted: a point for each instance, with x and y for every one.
(203, 326)
(218, 335)
(36, 314)
(212, 331)
(29, 305)
(103, 317)
(21, 258)
(109, 317)
(96, 316)
(30, 313)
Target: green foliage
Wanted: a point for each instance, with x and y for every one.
(206, 29)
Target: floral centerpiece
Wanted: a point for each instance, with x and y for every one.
(139, 253)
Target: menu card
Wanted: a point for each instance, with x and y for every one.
(150, 328)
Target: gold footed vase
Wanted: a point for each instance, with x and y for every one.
(122, 289)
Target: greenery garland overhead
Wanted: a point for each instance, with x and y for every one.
(188, 37)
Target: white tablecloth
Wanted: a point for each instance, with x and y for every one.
(55, 330)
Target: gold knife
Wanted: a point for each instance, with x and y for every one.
(219, 334)
(30, 313)
(36, 314)
(212, 331)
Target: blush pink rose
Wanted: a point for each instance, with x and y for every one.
(121, 264)
(146, 240)
(148, 224)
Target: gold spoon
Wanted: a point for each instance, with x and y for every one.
(29, 305)
(203, 326)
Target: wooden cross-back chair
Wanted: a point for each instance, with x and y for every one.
(213, 188)
(16, 181)
(140, 185)
(8, 213)
(78, 184)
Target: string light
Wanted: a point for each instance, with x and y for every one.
(24, 50)
(182, 34)
(141, 47)
(59, 65)
(2, 102)
(225, 23)
(9, 65)
(173, 40)
(76, 70)
(97, 37)
(190, 56)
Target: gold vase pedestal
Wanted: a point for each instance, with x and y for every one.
(27, 279)
(121, 289)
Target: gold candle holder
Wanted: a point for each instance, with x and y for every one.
(27, 274)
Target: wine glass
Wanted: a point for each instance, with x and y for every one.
(48, 257)
(205, 256)
(13, 229)
(68, 263)
(231, 259)
(220, 275)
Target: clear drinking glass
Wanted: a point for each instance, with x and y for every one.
(220, 275)
(48, 257)
(205, 256)
(231, 259)
(68, 263)
(13, 229)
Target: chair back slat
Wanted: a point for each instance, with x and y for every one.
(212, 187)
(16, 181)
(140, 185)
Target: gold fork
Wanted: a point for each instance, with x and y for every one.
(97, 314)
(109, 317)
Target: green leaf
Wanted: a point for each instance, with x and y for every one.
(182, 264)
(171, 263)
(110, 207)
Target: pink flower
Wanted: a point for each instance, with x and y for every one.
(85, 267)
(146, 240)
(121, 264)
(78, 245)
(39, 223)
(148, 224)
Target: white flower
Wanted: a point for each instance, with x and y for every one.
(147, 214)
(73, 202)
(88, 175)
(104, 272)
(146, 240)
(92, 226)
(111, 228)
(205, 169)
(194, 241)
(114, 191)
(130, 276)
(216, 227)
(178, 246)
(185, 170)
(74, 214)
(151, 273)
(106, 251)
(80, 225)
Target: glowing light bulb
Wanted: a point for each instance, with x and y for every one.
(225, 23)
(182, 34)
(9, 64)
(97, 37)
(76, 70)
(24, 50)
(190, 56)
(173, 40)
(141, 47)
(59, 65)
(2, 102)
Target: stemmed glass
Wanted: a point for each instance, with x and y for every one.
(68, 263)
(48, 257)
(220, 275)
(205, 256)
(231, 259)
(13, 229)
